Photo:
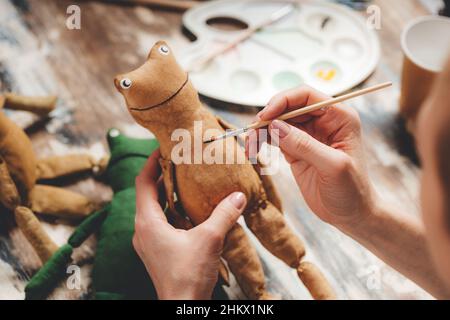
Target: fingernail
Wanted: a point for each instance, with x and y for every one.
(281, 126)
(260, 114)
(238, 200)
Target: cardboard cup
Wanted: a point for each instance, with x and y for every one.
(426, 47)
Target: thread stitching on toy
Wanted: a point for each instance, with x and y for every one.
(165, 101)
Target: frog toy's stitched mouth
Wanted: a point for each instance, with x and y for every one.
(166, 100)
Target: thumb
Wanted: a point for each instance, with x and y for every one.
(299, 145)
(225, 215)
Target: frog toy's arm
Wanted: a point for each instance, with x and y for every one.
(272, 193)
(54, 270)
(173, 214)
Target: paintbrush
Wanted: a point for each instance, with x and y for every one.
(274, 17)
(301, 111)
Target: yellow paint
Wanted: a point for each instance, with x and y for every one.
(326, 75)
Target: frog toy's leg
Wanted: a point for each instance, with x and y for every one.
(25, 218)
(59, 202)
(41, 106)
(244, 264)
(9, 195)
(242, 260)
(46, 279)
(67, 165)
(31, 227)
(269, 226)
(174, 214)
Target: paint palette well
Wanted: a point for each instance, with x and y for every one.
(324, 45)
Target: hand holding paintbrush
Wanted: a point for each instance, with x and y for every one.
(302, 111)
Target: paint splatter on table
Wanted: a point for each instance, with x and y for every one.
(39, 55)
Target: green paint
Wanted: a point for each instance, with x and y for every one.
(286, 80)
(244, 81)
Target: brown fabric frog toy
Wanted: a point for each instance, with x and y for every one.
(20, 169)
(161, 98)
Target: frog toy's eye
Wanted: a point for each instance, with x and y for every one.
(114, 133)
(125, 83)
(164, 50)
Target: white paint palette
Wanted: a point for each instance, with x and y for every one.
(324, 45)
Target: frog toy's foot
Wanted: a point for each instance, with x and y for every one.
(285, 245)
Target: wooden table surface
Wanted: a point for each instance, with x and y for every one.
(39, 55)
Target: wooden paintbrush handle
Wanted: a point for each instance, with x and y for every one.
(170, 4)
(320, 105)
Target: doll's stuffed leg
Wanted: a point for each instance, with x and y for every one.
(38, 105)
(9, 196)
(59, 202)
(25, 218)
(270, 227)
(244, 263)
(33, 231)
(315, 281)
(61, 166)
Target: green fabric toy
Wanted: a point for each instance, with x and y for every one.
(118, 273)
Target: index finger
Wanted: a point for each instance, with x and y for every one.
(147, 205)
(290, 100)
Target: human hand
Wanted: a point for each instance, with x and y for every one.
(325, 153)
(183, 264)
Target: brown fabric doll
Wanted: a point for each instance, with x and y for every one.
(20, 169)
(161, 98)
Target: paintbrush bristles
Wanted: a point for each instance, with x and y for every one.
(302, 111)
